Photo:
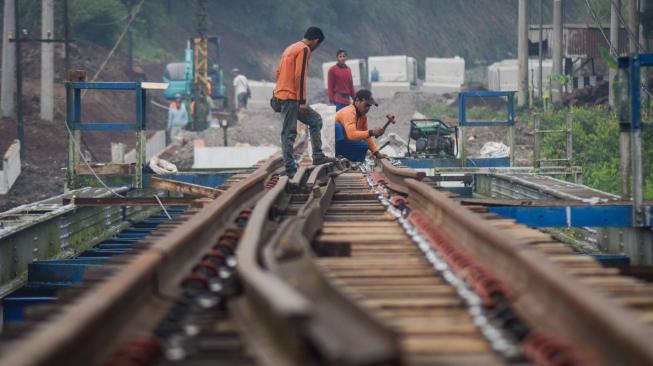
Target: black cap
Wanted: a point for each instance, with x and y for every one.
(366, 95)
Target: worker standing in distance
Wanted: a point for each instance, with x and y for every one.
(177, 117)
(241, 90)
(289, 98)
(340, 83)
(353, 138)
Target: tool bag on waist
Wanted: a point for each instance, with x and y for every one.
(275, 103)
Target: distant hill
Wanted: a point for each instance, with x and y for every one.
(254, 32)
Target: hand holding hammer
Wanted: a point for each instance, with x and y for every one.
(391, 119)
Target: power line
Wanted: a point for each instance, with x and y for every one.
(115, 46)
(628, 30)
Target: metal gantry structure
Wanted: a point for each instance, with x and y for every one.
(76, 126)
(630, 119)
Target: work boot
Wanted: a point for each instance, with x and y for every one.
(289, 173)
(323, 159)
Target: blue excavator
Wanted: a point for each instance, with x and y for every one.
(194, 74)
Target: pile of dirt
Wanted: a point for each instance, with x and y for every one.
(590, 95)
(46, 143)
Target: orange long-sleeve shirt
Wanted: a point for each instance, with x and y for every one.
(292, 73)
(355, 126)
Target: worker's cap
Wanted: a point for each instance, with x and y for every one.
(366, 95)
(235, 70)
(177, 96)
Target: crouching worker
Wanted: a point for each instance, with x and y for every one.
(353, 138)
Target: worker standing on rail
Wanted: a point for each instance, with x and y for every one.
(289, 98)
(353, 138)
(340, 84)
(177, 117)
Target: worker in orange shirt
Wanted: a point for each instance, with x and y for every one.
(290, 99)
(353, 138)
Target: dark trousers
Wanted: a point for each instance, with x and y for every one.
(291, 114)
(350, 150)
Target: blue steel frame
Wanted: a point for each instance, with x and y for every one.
(634, 63)
(633, 123)
(74, 113)
(570, 216)
(480, 94)
(509, 122)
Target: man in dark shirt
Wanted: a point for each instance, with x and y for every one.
(340, 83)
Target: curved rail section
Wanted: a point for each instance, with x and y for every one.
(286, 288)
(553, 303)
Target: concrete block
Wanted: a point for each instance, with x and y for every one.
(153, 146)
(385, 90)
(447, 71)
(230, 157)
(358, 72)
(261, 93)
(328, 114)
(117, 152)
(392, 69)
(502, 75)
(11, 168)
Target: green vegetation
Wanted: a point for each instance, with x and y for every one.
(595, 145)
(595, 140)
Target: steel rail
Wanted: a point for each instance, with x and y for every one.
(396, 175)
(286, 288)
(138, 285)
(549, 299)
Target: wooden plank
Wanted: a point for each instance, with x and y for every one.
(414, 303)
(444, 344)
(185, 188)
(104, 169)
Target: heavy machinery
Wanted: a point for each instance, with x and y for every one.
(194, 77)
(194, 73)
(433, 139)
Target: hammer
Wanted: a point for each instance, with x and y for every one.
(391, 119)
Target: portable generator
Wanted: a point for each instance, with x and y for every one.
(433, 138)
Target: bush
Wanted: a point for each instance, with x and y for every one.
(97, 21)
(595, 145)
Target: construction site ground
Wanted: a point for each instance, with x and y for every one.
(46, 143)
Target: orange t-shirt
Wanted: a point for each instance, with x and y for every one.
(292, 73)
(355, 126)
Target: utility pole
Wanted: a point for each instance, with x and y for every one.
(540, 53)
(615, 10)
(625, 136)
(522, 53)
(19, 84)
(8, 61)
(557, 51)
(66, 38)
(47, 60)
(18, 39)
(633, 26)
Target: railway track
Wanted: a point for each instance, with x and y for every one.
(342, 266)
